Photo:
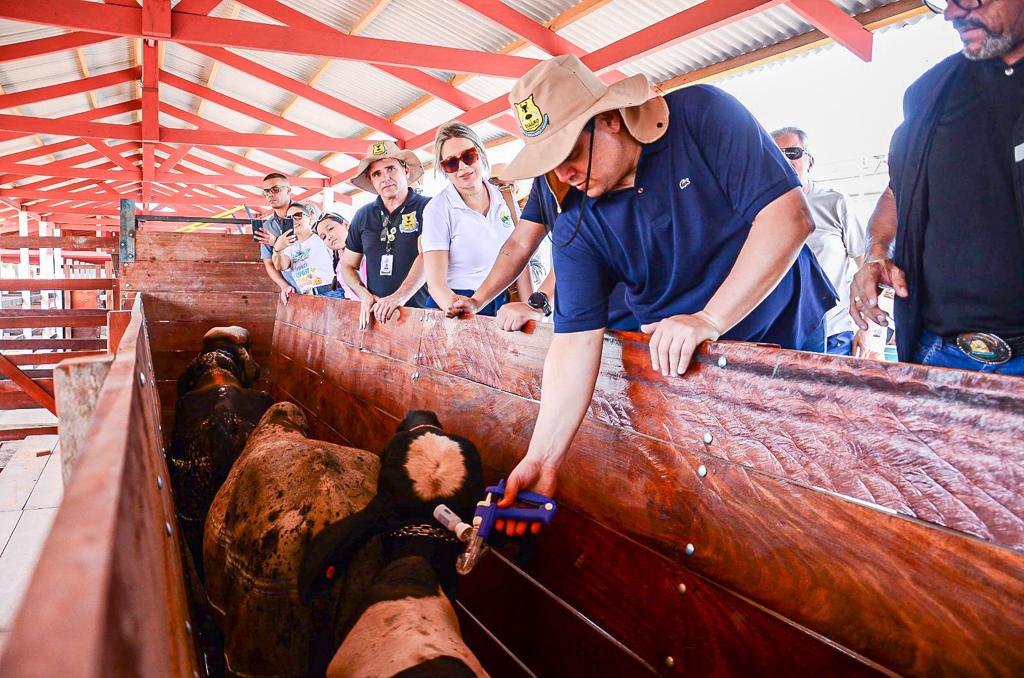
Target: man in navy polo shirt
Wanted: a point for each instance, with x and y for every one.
(386, 232)
(685, 200)
(537, 219)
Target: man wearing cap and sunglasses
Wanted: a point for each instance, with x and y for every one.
(838, 242)
(387, 232)
(948, 233)
(278, 193)
(685, 200)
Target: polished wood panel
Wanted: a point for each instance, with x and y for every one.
(847, 571)
(938, 445)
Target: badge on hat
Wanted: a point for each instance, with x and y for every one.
(408, 224)
(531, 120)
(378, 149)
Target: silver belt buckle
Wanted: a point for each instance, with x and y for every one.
(984, 347)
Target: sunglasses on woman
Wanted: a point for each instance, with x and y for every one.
(794, 152)
(468, 157)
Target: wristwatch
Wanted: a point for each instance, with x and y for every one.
(539, 301)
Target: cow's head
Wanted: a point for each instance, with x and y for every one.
(224, 348)
(421, 466)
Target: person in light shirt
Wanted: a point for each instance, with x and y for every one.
(465, 225)
(304, 253)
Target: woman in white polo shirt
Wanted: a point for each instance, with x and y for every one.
(465, 225)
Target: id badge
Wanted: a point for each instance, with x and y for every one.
(386, 263)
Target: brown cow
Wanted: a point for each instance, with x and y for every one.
(284, 488)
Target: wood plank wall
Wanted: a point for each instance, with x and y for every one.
(845, 516)
(192, 282)
(108, 595)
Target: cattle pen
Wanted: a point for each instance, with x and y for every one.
(772, 512)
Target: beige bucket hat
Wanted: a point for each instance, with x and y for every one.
(382, 150)
(556, 98)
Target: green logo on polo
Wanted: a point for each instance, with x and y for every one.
(531, 119)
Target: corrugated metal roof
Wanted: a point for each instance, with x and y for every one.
(16, 31)
(367, 87)
(342, 14)
(439, 22)
(428, 116)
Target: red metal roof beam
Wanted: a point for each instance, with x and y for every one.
(202, 30)
(836, 24)
(690, 23)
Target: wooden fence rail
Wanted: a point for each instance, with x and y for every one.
(108, 595)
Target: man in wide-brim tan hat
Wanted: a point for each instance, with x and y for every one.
(386, 232)
(686, 201)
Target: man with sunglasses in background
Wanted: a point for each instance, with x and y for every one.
(686, 201)
(838, 242)
(387, 232)
(948, 233)
(278, 193)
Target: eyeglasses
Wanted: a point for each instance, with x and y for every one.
(274, 190)
(468, 157)
(794, 152)
(297, 215)
(939, 6)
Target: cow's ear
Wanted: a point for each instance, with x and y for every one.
(328, 555)
(250, 368)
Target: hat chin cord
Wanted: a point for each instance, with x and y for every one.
(586, 186)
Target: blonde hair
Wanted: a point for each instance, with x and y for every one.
(457, 130)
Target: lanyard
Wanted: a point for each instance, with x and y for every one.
(387, 233)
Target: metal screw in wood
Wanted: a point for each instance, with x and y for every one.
(690, 549)
(670, 662)
(167, 528)
(159, 482)
(722, 362)
(708, 438)
(682, 589)
(415, 375)
(142, 378)
(702, 470)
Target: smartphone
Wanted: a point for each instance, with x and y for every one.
(257, 224)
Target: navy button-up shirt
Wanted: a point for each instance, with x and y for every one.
(674, 236)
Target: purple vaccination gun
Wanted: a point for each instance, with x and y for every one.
(537, 509)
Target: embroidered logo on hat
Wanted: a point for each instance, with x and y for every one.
(531, 120)
(379, 149)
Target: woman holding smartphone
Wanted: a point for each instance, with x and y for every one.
(465, 225)
(304, 253)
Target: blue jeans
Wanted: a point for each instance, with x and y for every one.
(490, 309)
(935, 351)
(840, 343)
(815, 341)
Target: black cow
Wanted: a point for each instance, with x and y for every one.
(214, 415)
(406, 624)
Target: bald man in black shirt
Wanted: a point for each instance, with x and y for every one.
(948, 232)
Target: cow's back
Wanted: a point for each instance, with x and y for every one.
(283, 490)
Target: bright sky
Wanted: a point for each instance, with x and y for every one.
(848, 107)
